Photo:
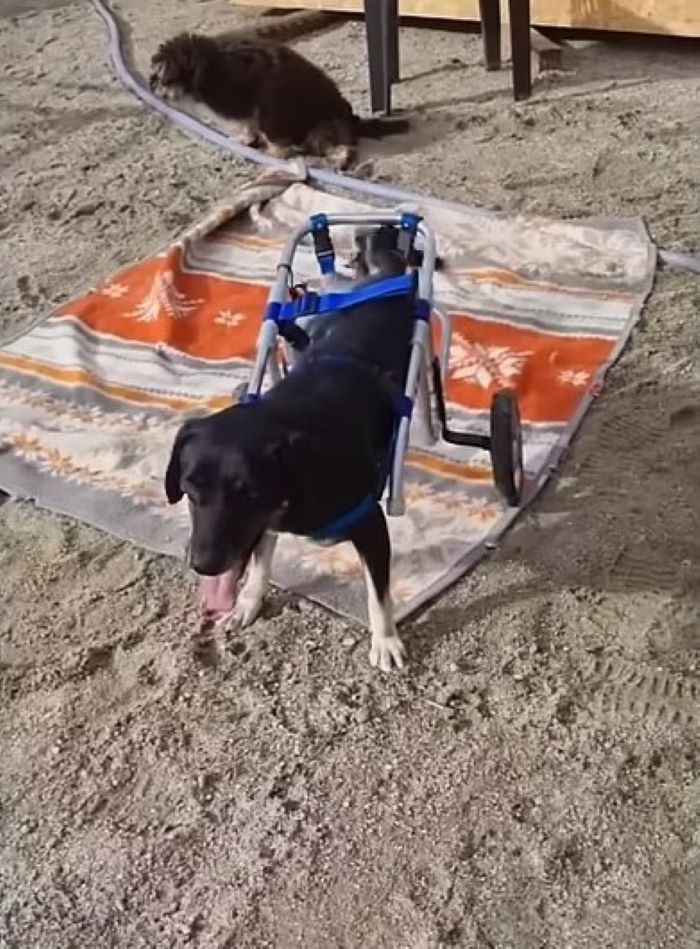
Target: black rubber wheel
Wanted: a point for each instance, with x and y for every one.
(507, 446)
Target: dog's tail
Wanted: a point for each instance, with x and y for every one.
(380, 127)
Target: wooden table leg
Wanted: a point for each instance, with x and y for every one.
(392, 38)
(490, 13)
(379, 55)
(520, 48)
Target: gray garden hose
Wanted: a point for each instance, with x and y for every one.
(327, 179)
(678, 261)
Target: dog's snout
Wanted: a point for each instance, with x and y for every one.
(206, 566)
(197, 563)
(205, 563)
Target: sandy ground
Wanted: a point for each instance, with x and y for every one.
(533, 779)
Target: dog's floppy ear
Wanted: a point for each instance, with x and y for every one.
(194, 62)
(173, 473)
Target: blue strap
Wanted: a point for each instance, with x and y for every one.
(410, 222)
(323, 245)
(318, 222)
(407, 234)
(339, 528)
(313, 304)
(422, 310)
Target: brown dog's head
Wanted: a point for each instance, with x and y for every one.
(179, 66)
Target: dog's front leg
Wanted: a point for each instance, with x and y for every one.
(252, 594)
(276, 149)
(371, 541)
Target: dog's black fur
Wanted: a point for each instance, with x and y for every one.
(286, 103)
(308, 452)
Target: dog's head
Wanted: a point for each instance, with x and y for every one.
(377, 253)
(179, 66)
(233, 474)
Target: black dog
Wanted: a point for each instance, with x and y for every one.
(286, 103)
(307, 453)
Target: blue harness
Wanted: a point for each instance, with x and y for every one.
(339, 529)
(319, 304)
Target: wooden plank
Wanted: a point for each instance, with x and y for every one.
(547, 51)
(670, 17)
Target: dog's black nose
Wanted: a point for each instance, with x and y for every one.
(202, 562)
(204, 567)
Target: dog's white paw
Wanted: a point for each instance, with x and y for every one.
(386, 652)
(244, 613)
(246, 610)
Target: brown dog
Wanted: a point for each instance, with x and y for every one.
(285, 103)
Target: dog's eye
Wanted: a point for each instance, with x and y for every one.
(242, 489)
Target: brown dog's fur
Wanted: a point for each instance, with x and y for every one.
(285, 102)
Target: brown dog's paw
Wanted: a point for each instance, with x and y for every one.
(340, 157)
(283, 152)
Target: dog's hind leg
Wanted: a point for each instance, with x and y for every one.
(371, 541)
(250, 599)
(334, 142)
(278, 149)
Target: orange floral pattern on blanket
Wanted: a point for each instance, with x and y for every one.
(157, 302)
(217, 318)
(550, 372)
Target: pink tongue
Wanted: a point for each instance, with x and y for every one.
(218, 594)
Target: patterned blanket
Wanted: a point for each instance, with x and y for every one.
(91, 396)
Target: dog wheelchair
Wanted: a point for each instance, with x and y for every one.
(289, 307)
